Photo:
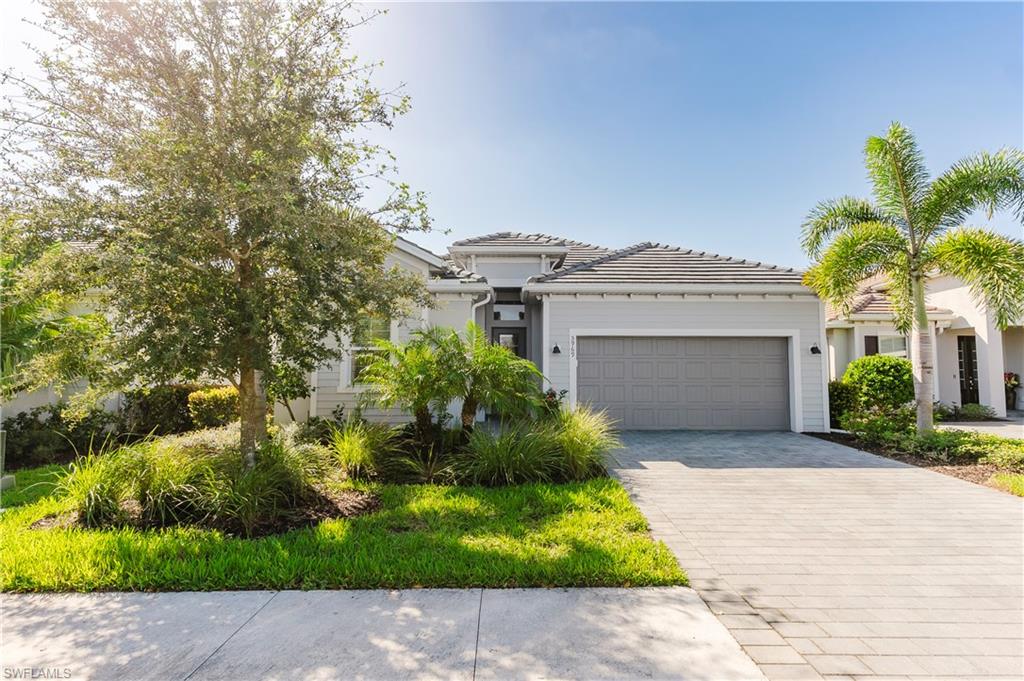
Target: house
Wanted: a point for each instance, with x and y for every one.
(971, 353)
(661, 337)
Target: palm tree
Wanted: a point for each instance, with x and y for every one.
(915, 228)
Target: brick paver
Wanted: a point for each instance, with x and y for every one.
(853, 565)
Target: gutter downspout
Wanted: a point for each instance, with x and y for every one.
(476, 306)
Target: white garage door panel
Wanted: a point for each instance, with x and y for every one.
(690, 383)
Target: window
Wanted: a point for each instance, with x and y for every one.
(895, 346)
(364, 351)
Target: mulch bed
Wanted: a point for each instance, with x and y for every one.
(324, 504)
(978, 473)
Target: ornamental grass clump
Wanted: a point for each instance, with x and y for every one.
(359, 448)
(512, 456)
(583, 437)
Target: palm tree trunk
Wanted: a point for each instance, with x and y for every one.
(468, 414)
(922, 356)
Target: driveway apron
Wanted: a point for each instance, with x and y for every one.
(825, 561)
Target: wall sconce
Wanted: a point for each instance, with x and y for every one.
(815, 350)
(556, 350)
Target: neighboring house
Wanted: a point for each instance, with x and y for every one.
(660, 337)
(971, 353)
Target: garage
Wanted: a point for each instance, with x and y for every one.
(712, 383)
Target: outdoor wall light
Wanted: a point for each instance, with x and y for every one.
(815, 350)
(556, 350)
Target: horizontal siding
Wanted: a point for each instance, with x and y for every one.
(802, 315)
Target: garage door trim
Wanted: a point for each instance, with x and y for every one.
(796, 419)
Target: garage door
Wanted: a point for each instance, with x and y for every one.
(688, 383)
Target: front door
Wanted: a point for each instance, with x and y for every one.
(967, 354)
(512, 338)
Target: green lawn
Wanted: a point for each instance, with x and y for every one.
(1011, 482)
(581, 534)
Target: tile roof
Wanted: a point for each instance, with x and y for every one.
(511, 239)
(874, 301)
(650, 263)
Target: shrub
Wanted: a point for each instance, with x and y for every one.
(582, 437)
(197, 478)
(46, 435)
(1001, 452)
(881, 381)
(158, 410)
(876, 426)
(213, 407)
(552, 402)
(512, 456)
(842, 398)
(974, 412)
(358, 447)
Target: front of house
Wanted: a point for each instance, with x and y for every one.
(660, 337)
(971, 353)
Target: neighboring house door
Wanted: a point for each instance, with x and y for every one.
(512, 338)
(967, 354)
(687, 383)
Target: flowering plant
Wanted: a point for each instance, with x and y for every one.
(1011, 380)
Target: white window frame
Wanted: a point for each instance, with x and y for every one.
(354, 350)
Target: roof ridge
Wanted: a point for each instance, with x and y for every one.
(607, 257)
(537, 236)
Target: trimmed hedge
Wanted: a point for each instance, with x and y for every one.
(881, 381)
(213, 407)
(842, 399)
(160, 409)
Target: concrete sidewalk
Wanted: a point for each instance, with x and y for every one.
(651, 633)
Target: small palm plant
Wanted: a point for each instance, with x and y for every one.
(914, 229)
(485, 374)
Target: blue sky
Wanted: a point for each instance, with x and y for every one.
(712, 126)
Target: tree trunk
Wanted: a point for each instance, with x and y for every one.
(424, 424)
(922, 356)
(252, 404)
(468, 416)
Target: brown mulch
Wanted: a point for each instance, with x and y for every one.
(323, 504)
(978, 473)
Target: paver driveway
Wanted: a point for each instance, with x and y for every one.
(826, 561)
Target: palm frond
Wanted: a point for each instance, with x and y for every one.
(991, 264)
(854, 255)
(987, 181)
(834, 216)
(897, 172)
(900, 296)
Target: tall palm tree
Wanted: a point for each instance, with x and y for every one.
(914, 229)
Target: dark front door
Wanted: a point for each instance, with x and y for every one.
(512, 338)
(967, 354)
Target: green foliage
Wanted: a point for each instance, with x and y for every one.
(411, 377)
(512, 456)
(159, 409)
(881, 381)
(42, 344)
(876, 426)
(30, 485)
(359, 447)
(97, 486)
(842, 398)
(48, 434)
(194, 479)
(583, 438)
(914, 228)
(974, 412)
(1010, 482)
(221, 174)
(484, 374)
(213, 407)
(574, 535)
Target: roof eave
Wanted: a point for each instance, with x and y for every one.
(498, 249)
(722, 288)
